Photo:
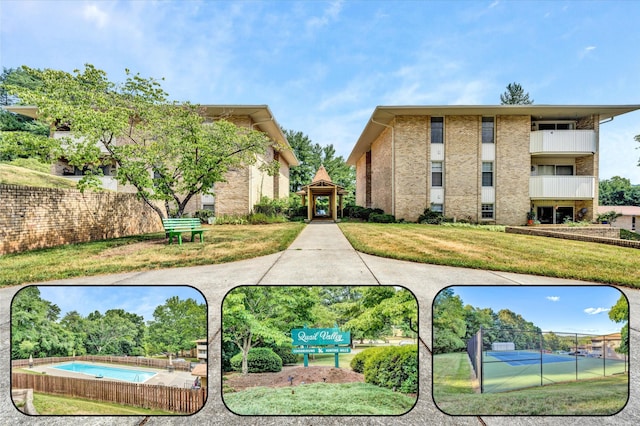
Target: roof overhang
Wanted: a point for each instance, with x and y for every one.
(383, 115)
(260, 115)
(26, 110)
(261, 118)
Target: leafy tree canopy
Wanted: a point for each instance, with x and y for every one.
(618, 191)
(515, 95)
(620, 313)
(166, 150)
(311, 157)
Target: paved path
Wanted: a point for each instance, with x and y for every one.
(322, 255)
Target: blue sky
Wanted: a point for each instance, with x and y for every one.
(141, 300)
(323, 66)
(575, 309)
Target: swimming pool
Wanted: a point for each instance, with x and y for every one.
(134, 376)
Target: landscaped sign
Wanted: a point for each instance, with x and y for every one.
(320, 337)
(333, 337)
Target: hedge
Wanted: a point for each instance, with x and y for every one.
(395, 367)
(259, 360)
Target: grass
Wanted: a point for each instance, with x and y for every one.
(478, 248)
(16, 175)
(222, 243)
(58, 405)
(329, 360)
(453, 393)
(320, 399)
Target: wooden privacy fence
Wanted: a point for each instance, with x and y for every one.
(175, 399)
(127, 360)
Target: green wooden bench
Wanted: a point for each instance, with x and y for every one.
(174, 227)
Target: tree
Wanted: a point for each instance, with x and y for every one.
(262, 314)
(620, 314)
(34, 330)
(177, 324)
(449, 325)
(165, 150)
(20, 136)
(618, 191)
(110, 333)
(311, 156)
(515, 95)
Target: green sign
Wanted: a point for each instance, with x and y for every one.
(320, 336)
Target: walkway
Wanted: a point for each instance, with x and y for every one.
(321, 255)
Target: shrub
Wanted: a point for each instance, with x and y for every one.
(228, 219)
(431, 217)
(395, 367)
(285, 354)
(382, 218)
(203, 215)
(358, 361)
(229, 350)
(259, 360)
(629, 235)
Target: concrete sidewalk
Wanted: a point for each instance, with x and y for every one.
(321, 255)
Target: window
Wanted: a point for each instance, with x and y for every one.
(437, 130)
(487, 211)
(552, 170)
(564, 170)
(549, 125)
(487, 173)
(436, 173)
(487, 130)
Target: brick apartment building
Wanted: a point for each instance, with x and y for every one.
(244, 186)
(487, 164)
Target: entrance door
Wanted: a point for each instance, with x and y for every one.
(545, 214)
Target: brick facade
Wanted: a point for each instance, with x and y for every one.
(512, 169)
(411, 167)
(462, 167)
(35, 218)
(395, 149)
(381, 169)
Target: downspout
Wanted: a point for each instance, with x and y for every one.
(393, 165)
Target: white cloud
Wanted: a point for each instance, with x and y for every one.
(92, 13)
(553, 298)
(595, 311)
(330, 14)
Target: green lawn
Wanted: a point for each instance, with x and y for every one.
(58, 405)
(454, 394)
(222, 243)
(497, 251)
(319, 399)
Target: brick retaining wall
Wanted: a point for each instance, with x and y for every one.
(601, 234)
(32, 217)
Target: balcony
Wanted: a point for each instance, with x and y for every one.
(562, 187)
(562, 142)
(106, 182)
(60, 134)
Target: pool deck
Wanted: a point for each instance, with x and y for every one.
(182, 379)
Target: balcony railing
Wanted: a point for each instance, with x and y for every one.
(562, 187)
(59, 134)
(106, 182)
(562, 142)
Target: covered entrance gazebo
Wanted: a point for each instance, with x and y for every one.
(317, 191)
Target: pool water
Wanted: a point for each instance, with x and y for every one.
(133, 376)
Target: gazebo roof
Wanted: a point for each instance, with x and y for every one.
(321, 179)
(321, 175)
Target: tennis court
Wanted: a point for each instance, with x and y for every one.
(503, 366)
